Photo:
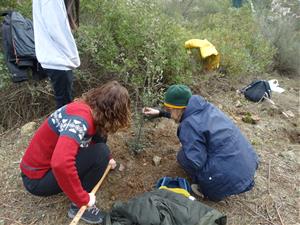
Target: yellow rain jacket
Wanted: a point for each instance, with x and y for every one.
(208, 53)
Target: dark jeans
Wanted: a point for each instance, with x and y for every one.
(237, 3)
(91, 163)
(62, 81)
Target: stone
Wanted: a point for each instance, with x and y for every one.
(130, 184)
(28, 128)
(290, 156)
(121, 167)
(156, 160)
(238, 104)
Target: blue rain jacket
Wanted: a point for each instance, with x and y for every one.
(214, 151)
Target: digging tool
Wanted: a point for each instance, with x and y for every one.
(95, 189)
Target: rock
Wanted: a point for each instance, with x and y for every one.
(130, 165)
(28, 128)
(290, 156)
(156, 160)
(238, 104)
(130, 184)
(113, 198)
(121, 167)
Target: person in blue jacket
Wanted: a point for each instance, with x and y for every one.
(214, 152)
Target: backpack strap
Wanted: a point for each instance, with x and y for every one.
(184, 184)
(268, 89)
(162, 181)
(249, 86)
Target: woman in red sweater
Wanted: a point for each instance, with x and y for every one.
(68, 152)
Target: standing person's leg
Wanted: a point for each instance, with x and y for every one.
(237, 3)
(62, 82)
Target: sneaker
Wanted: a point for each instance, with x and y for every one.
(197, 190)
(92, 215)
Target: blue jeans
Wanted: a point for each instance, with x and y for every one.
(237, 3)
(62, 81)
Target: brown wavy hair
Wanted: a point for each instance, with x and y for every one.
(110, 104)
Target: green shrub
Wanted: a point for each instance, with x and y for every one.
(24, 6)
(284, 34)
(136, 41)
(242, 47)
(4, 74)
(193, 12)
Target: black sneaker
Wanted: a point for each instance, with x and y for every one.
(92, 215)
(197, 190)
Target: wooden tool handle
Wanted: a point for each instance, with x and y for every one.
(95, 189)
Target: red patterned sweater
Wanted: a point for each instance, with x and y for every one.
(55, 146)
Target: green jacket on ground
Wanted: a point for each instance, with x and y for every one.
(162, 207)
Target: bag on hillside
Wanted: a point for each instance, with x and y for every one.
(257, 90)
(19, 48)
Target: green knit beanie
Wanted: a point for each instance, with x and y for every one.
(177, 96)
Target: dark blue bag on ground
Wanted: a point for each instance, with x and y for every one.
(177, 182)
(257, 90)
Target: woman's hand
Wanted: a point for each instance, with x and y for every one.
(92, 200)
(150, 111)
(112, 163)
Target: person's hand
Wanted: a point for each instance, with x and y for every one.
(150, 111)
(92, 200)
(113, 163)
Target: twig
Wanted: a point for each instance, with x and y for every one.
(258, 214)
(7, 131)
(51, 203)
(270, 218)
(277, 210)
(14, 221)
(275, 205)
(269, 177)
(33, 222)
(45, 92)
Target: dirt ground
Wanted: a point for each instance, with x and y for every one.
(276, 138)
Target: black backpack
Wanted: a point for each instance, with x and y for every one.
(19, 47)
(257, 90)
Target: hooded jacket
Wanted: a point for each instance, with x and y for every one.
(214, 151)
(54, 42)
(162, 207)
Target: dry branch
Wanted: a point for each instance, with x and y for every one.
(13, 221)
(257, 214)
(275, 205)
(269, 176)
(277, 211)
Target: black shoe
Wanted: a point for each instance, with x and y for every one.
(197, 190)
(92, 215)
